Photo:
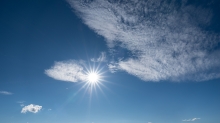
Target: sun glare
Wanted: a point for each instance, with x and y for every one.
(93, 77)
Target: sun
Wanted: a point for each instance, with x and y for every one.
(93, 80)
(93, 77)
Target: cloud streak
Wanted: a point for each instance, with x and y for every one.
(5, 93)
(31, 108)
(166, 39)
(190, 120)
(70, 71)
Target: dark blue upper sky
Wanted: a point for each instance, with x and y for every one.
(158, 61)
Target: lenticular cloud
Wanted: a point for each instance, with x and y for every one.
(166, 38)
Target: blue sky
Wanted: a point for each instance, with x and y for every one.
(157, 61)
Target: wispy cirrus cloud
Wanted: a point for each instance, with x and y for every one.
(31, 108)
(101, 58)
(166, 38)
(5, 93)
(21, 103)
(190, 120)
(70, 71)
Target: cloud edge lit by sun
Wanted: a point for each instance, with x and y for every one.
(166, 44)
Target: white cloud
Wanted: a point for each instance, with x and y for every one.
(113, 67)
(31, 108)
(101, 58)
(190, 120)
(5, 93)
(71, 71)
(166, 40)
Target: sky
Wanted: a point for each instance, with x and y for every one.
(109, 61)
